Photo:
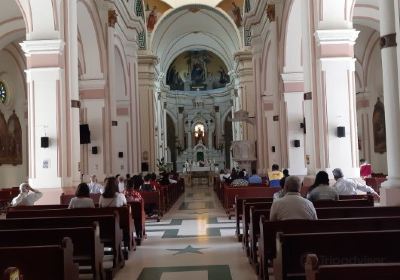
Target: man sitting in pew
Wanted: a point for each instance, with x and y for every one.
(348, 186)
(292, 205)
(321, 190)
(27, 196)
(82, 198)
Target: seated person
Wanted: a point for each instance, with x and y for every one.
(292, 205)
(132, 191)
(229, 179)
(254, 178)
(275, 176)
(153, 181)
(25, 197)
(111, 197)
(94, 186)
(121, 184)
(348, 186)
(285, 175)
(321, 190)
(82, 198)
(147, 187)
(240, 181)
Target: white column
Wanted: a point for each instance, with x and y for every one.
(189, 139)
(48, 167)
(147, 63)
(391, 188)
(181, 131)
(336, 101)
(72, 80)
(210, 138)
(294, 116)
(217, 127)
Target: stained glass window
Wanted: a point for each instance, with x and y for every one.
(3, 93)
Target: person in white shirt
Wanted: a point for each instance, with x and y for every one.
(82, 198)
(26, 198)
(94, 186)
(121, 184)
(111, 197)
(348, 186)
(292, 206)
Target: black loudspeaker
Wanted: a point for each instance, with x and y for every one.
(296, 143)
(273, 149)
(145, 166)
(94, 150)
(120, 154)
(44, 142)
(341, 131)
(84, 134)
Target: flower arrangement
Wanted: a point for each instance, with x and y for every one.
(161, 165)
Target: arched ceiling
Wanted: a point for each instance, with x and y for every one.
(195, 27)
(366, 13)
(12, 25)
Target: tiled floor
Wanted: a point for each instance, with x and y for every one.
(194, 240)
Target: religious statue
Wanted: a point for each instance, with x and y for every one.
(237, 15)
(152, 19)
(379, 127)
(199, 136)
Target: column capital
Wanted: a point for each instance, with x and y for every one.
(336, 36)
(293, 82)
(42, 46)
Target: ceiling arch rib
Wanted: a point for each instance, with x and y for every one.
(195, 27)
(366, 13)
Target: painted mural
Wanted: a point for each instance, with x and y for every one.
(154, 9)
(197, 70)
(234, 8)
(10, 140)
(379, 127)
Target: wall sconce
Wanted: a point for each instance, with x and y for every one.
(341, 131)
(296, 143)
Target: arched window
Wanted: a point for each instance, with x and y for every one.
(3, 93)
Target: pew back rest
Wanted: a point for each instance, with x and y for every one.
(336, 248)
(56, 260)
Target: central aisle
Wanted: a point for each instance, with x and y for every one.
(194, 240)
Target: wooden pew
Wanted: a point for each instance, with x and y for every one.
(268, 231)
(155, 199)
(246, 220)
(333, 248)
(368, 202)
(41, 262)
(110, 232)
(125, 218)
(239, 210)
(88, 250)
(370, 271)
(229, 194)
(66, 198)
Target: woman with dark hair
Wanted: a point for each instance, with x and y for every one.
(132, 191)
(321, 190)
(240, 181)
(82, 198)
(111, 197)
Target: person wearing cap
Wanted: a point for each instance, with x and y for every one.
(345, 186)
(292, 205)
(27, 196)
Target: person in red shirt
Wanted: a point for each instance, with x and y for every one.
(131, 191)
(365, 169)
(153, 181)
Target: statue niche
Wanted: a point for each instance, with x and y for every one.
(10, 140)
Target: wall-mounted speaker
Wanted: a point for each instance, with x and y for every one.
(84, 134)
(296, 143)
(341, 131)
(44, 142)
(95, 150)
(273, 149)
(145, 166)
(120, 154)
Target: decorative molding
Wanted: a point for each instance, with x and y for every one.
(388, 41)
(112, 18)
(336, 36)
(42, 46)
